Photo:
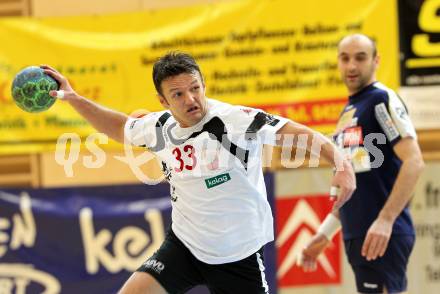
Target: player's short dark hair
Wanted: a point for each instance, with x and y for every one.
(172, 64)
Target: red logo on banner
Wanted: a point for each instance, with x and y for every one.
(297, 220)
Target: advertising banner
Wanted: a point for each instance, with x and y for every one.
(88, 239)
(81, 240)
(420, 60)
(276, 55)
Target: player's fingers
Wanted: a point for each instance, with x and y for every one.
(384, 247)
(338, 200)
(338, 204)
(346, 193)
(366, 245)
(305, 266)
(375, 240)
(314, 266)
(305, 262)
(45, 66)
(342, 198)
(375, 248)
(380, 245)
(308, 266)
(54, 74)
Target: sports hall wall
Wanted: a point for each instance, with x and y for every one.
(76, 217)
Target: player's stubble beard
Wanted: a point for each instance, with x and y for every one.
(362, 80)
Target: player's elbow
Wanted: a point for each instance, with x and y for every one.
(417, 164)
(420, 165)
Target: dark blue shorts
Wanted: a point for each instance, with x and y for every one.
(388, 271)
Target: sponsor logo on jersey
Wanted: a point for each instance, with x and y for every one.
(345, 120)
(360, 159)
(401, 112)
(217, 180)
(385, 121)
(354, 121)
(353, 136)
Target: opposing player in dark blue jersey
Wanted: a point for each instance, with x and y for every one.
(374, 130)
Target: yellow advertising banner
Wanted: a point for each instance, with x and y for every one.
(278, 55)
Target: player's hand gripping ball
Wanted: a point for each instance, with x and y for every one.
(30, 89)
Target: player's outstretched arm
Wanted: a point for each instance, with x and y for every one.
(378, 235)
(309, 255)
(103, 119)
(317, 143)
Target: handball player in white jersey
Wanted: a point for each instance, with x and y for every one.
(211, 156)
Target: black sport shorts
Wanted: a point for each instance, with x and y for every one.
(177, 270)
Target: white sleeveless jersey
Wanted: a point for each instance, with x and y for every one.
(219, 203)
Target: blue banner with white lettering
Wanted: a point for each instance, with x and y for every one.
(84, 240)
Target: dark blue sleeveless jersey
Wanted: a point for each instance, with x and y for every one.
(372, 122)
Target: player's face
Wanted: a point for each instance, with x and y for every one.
(357, 64)
(184, 96)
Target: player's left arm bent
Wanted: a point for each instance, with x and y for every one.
(343, 178)
(379, 233)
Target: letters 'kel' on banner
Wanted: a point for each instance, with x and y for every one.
(92, 234)
(275, 55)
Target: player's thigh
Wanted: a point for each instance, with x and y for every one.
(387, 273)
(172, 266)
(244, 276)
(141, 283)
(395, 261)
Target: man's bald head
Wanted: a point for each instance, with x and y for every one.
(360, 38)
